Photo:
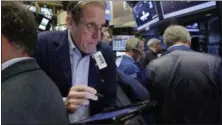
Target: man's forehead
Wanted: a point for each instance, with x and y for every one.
(94, 13)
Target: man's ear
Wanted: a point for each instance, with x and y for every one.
(69, 21)
(189, 43)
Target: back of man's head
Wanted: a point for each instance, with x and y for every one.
(18, 27)
(176, 34)
(132, 44)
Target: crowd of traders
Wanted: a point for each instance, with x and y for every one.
(48, 75)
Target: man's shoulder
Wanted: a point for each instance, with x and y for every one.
(49, 36)
(129, 66)
(185, 56)
(50, 33)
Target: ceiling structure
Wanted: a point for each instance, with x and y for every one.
(122, 14)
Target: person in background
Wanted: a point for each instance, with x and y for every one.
(106, 37)
(154, 48)
(28, 95)
(186, 83)
(68, 57)
(127, 63)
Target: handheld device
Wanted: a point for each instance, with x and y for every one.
(119, 115)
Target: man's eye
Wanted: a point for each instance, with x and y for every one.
(90, 25)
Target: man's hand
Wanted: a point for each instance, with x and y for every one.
(79, 96)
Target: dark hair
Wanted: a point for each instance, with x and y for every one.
(70, 6)
(19, 26)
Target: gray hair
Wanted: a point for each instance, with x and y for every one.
(153, 41)
(132, 43)
(76, 8)
(176, 33)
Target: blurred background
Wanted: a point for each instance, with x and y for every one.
(145, 19)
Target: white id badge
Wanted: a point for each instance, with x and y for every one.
(100, 61)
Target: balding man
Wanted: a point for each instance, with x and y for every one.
(186, 83)
(78, 62)
(154, 48)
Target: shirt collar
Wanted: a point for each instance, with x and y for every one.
(129, 57)
(71, 44)
(13, 61)
(179, 47)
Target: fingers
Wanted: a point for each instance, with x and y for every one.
(78, 101)
(82, 95)
(79, 96)
(84, 88)
(73, 104)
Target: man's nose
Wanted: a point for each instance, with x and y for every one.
(96, 34)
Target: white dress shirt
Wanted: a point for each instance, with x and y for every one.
(80, 73)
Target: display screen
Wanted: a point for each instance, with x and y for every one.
(145, 14)
(108, 15)
(213, 49)
(214, 31)
(43, 24)
(47, 12)
(176, 8)
(119, 42)
(193, 27)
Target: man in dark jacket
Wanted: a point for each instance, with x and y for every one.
(28, 95)
(187, 84)
(154, 48)
(78, 62)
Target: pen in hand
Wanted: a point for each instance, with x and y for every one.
(99, 95)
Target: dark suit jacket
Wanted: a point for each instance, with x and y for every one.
(52, 54)
(30, 97)
(187, 85)
(132, 88)
(148, 57)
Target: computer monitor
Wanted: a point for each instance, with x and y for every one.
(214, 31)
(193, 27)
(145, 14)
(213, 49)
(119, 42)
(43, 24)
(108, 15)
(47, 12)
(178, 8)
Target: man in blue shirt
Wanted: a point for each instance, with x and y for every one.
(127, 62)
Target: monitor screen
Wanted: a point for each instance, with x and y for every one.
(119, 42)
(176, 8)
(145, 14)
(214, 31)
(43, 24)
(193, 27)
(47, 12)
(213, 49)
(31, 8)
(108, 15)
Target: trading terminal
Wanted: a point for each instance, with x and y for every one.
(114, 62)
